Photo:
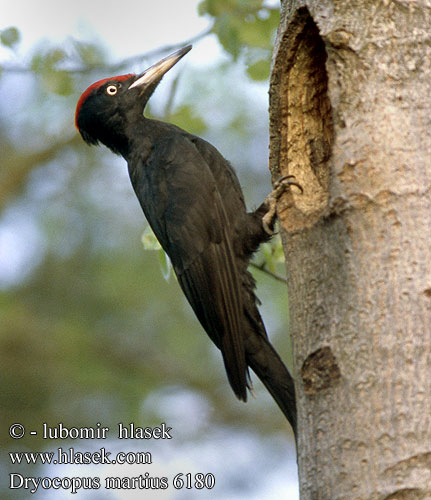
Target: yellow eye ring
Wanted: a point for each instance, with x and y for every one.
(111, 89)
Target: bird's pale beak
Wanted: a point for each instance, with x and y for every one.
(155, 72)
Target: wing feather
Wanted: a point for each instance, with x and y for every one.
(183, 205)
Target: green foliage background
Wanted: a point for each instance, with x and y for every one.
(92, 330)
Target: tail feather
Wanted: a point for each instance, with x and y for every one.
(268, 366)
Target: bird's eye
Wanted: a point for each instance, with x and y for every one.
(111, 89)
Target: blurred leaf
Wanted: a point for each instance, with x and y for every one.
(10, 36)
(259, 70)
(241, 24)
(270, 254)
(267, 254)
(46, 62)
(90, 54)
(256, 31)
(165, 264)
(47, 59)
(212, 7)
(217, 7)
(226, 28)
(149, 240)
(55, 56)
(277, 250)
(58, 82)
(186, 117)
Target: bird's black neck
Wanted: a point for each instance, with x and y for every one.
(146, 133)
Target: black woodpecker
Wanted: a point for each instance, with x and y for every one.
(193, 201)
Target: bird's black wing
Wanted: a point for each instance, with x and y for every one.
(183, 205)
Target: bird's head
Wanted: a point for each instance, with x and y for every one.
(107, 108)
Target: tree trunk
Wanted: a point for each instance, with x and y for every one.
(350, 107)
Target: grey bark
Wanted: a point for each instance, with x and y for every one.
(350, 109)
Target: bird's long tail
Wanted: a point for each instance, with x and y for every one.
(268, 366)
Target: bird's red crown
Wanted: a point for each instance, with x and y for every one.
(95, 86)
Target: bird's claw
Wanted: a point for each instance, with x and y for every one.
(266, 228)
(279, 187)
(283, 183)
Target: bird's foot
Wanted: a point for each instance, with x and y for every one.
(271, 200)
